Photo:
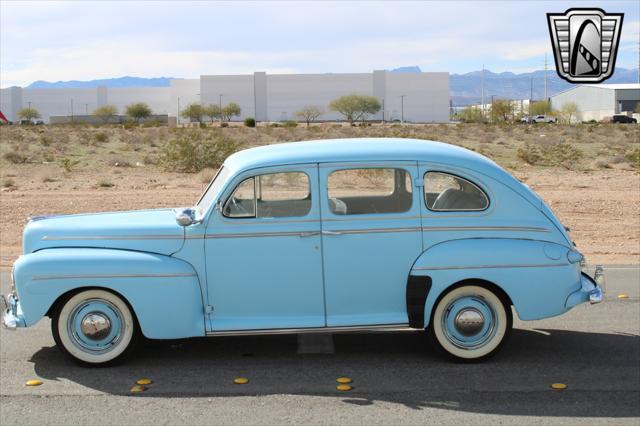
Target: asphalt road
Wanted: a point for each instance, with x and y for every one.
(398, 377)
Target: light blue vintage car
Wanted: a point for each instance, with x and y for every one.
(323, 236)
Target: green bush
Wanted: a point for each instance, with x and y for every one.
(194, 151)
(101, 137)
(634, 158)
(290, 124)
(250, 122)
(529, 153)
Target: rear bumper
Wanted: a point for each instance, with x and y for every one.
(591, 289)
(11, 313)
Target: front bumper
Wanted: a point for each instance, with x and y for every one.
(591, 289)
(11, 313)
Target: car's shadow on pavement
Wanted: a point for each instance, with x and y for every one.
(602, 372)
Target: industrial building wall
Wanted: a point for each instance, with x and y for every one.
(426, 96)
(182, 93)
(594, 103)
(288, 93)
(158, 98)
(233, 88)
(7, 105)
(50, 102)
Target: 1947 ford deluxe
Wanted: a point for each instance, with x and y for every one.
(323, 236)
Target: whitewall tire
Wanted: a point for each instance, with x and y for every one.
(94, 327)
(471, 322)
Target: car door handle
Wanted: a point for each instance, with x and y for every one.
(331, 233)
(309, 234)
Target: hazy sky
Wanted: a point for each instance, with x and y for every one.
(53, 41)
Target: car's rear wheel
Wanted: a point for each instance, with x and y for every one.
(94, 327)
(471, 322)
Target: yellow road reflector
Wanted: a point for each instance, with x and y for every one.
(144, 382)
(344, 388)
(623, 296)
(558, 386)
(344, 380)
(138, 389)
(33, 383)
(241, 381)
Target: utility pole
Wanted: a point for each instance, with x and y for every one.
(383, 111)
(220, 105)
(545, 78)
(492, 114)
(72, 110)
(86, 109)
(482, 89)
(531, 90)
(178, 114)
(402, 109)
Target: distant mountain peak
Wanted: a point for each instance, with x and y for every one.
(412, 68)
(126, 81)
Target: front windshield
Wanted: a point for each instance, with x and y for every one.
(211, 192)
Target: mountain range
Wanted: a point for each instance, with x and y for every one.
(465, 88)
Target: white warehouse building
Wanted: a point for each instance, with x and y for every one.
(597, 101)
(416, 97)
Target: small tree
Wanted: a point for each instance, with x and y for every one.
(231, 110)
(138, 111)
(355, 107)
(501, 110)
(105, 113)
(539, 108)
(193, 112)
(472, 114)
(212, 111)
(568, 112)
(309, 114)
(28, 114)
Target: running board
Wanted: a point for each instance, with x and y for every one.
(344, 329)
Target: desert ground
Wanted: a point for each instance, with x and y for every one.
(587, 173)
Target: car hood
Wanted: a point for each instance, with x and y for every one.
(154, 231)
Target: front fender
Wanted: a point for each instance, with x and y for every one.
(536, 275)
(164, 292)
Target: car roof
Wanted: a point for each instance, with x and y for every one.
(358, 149)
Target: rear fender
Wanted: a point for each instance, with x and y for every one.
(535, 275)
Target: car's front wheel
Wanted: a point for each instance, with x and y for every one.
(94, 327)
(471, 322)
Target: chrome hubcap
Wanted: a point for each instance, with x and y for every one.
(95, 326)
(469, 322)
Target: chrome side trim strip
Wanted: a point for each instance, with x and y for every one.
(77, 277)
(485, 228)
(383, 327)
(295, 233)
(370, 230)
(442, 268)
(261, 234)
(111, 237)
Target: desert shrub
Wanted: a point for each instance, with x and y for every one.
(562, 154)
(68, 164)
(224, 124)
(250, 122)
(8, 183)
(105, 184)
(194, 151)
(529, 153)
(274, 125)
(633, 157)
(101, 137)
(601, 164)
(152, 123)
(289, 124)
(15, 157)
(119, 162)
(45, 140)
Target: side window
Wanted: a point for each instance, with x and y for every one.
(369, 191)
(271, 195)
(446, 192)
(242, 202)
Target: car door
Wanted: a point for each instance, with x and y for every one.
(263, 252)
(371, 235)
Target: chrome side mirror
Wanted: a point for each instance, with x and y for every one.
(186, 217)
